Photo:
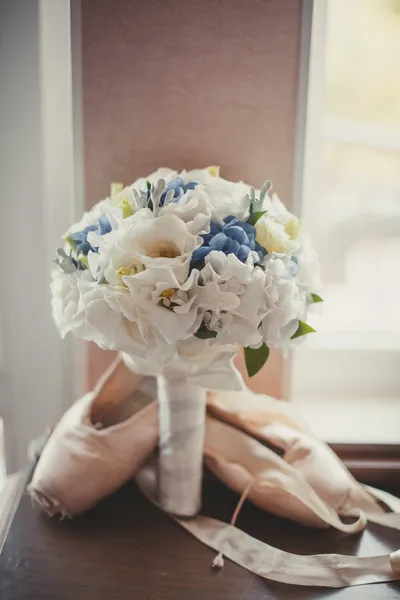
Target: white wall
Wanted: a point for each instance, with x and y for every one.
(36, 203)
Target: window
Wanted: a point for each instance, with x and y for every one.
(347, 377)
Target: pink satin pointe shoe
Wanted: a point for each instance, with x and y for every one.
(98, 445)
(277, 423)
(105, 438)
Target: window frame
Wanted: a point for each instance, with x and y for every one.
(374, 463)
(40, 374)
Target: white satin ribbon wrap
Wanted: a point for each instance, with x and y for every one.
(182, 416)
(182, 385)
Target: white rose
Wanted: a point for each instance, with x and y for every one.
(142, 242)
(272, 236)
(278, 212)
(165, 302)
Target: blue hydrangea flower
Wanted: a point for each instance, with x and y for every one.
(80, 237)
(179, 188)
(233, 237)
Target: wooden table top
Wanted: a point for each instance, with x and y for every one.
(126, 549)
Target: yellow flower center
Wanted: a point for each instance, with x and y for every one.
(214, 171)
(163, 250)
(168, 293)
(126, 209)
(132, 270)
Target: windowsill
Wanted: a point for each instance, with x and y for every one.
(363, 421)
(364, 433)
(366, 341)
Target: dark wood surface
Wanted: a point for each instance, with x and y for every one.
(126, 549)
(377, 464)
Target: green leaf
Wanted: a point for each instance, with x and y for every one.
(303, 329)
(255, 359)
(204, 333)
(149, 200)
(255, 216)
(316, 298)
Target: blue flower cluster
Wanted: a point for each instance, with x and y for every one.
(79, 238)
(233, 237)
(179, 188)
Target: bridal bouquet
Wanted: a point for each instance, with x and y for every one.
(177, 271)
